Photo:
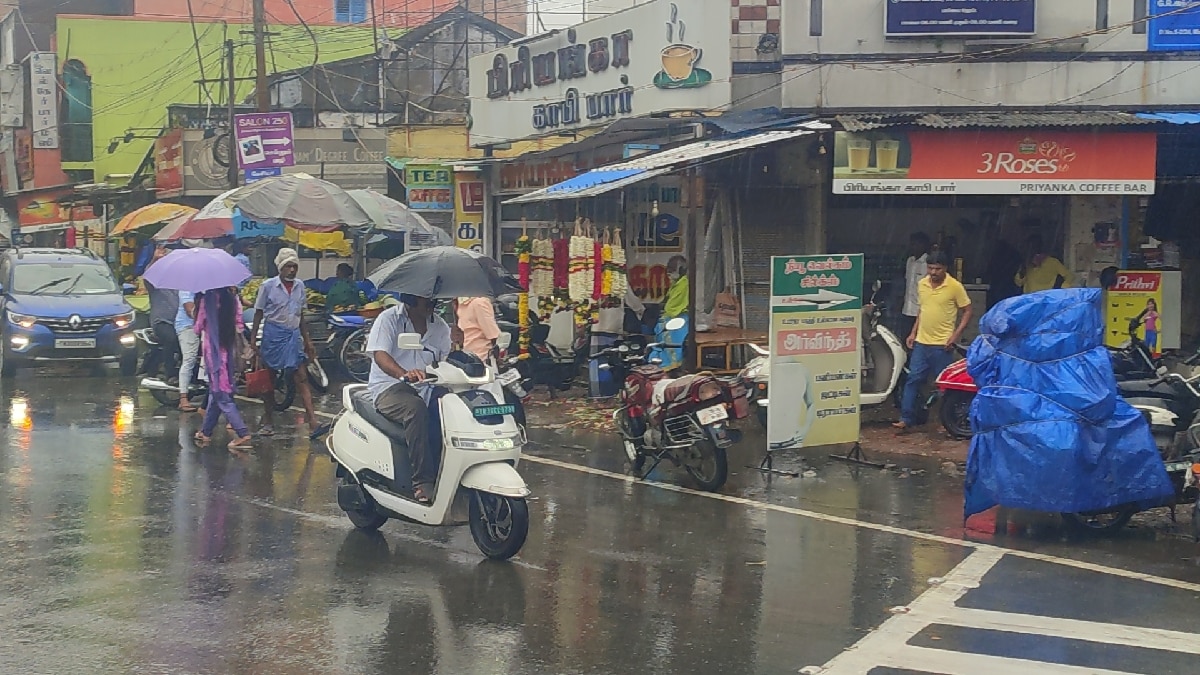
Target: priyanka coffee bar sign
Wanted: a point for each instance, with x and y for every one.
(994, 163)
(920, 18)
(656, 57)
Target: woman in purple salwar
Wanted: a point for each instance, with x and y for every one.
(218, 322)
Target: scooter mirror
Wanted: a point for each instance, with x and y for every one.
(877, 285)
(410, 341)
(675, 324)
(504, 341)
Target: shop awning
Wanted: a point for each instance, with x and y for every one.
(1003, 119)
(623, 174)
(1172, 117)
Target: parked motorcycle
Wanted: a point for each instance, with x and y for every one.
(882, 359)
(168, 394)
(347, 344)
(481, 445)
(683, 420)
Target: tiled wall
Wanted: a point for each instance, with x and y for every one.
(751, 20)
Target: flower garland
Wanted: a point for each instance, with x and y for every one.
(580, 279)
(541, 283)
(620, 280)
(524, 250)
(597, 269)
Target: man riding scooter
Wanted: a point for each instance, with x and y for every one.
(396, 381)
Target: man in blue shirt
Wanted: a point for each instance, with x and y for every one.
(396, 382)
(189, 346)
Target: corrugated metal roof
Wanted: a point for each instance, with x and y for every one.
(622, 174)
(1172, 117)
(1007, 119)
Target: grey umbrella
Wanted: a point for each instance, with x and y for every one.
(443, 272)
(305, 202)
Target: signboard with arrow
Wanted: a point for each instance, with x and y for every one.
(265, 140)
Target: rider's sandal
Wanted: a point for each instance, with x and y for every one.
(421, 494)
(266, 430)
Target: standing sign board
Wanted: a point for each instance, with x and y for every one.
(265, 140)
(918, 18)
(1139, 292)
(816, 329)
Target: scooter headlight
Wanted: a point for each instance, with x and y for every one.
(501, 443)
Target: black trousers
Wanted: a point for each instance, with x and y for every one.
(401, 404)
(168, 348)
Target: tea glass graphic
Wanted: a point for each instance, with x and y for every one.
(679, 60)
(859, 150)
(791, 385)
(887, 155)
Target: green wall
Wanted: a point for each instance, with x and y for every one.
(139, 67)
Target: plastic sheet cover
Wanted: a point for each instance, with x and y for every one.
(1051, 432)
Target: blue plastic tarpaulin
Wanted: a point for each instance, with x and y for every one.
(1051, 432)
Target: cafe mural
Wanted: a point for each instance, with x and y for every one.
(658, 57)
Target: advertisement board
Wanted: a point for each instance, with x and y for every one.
(41, 212)
(1174, 25)
(915, 18)
(816, 329)
(43, 75)
(659, 56)
(264, 140)
(468, 212)
(430, 187)
(1039, 162)
(1135, 295)
(168, 164)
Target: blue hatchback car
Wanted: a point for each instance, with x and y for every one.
(62, 305)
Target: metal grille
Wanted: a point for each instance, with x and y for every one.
(683, 430)
(63, 327)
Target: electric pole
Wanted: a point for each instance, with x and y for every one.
(232, 99)
(263, 94)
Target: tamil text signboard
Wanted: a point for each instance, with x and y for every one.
(994, 163)
(816, 329)
(43, 73)
(468, 212)
(264, 140)
(1174, 25)
(918, 18)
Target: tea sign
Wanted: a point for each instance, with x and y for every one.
(614, 66)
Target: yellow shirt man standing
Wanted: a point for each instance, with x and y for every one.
(1041, 272)
(945, 311)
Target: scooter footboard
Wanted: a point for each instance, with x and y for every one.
(498, 478)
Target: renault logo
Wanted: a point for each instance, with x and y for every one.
(75, 321)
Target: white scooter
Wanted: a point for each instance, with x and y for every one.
(481, 445)
(883, 359)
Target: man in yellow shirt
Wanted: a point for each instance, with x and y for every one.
(1041, 272)
(945, 311)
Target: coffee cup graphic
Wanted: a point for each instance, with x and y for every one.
(679, 61)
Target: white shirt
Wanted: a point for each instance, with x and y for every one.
(914, 270)
(385, 332)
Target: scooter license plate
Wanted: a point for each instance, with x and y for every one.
(716, 413)
(494, 410)
(509, 377)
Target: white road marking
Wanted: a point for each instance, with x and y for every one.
(825, 517)
(1108, 633)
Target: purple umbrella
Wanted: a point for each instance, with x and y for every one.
(196, 270)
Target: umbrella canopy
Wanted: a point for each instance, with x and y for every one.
(443, 272)
(150, 215)
(306, 203)
(397, 217)
(196, 270)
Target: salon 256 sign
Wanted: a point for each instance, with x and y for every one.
(657, 57)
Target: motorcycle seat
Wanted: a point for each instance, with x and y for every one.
(364, 407)
(672, 391)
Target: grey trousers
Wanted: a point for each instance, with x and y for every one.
(401, 404)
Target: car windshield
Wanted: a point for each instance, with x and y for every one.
(62, 279)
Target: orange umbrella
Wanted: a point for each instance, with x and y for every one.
(150, 215)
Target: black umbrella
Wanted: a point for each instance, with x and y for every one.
(444, 272)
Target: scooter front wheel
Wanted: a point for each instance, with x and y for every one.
(499, 524)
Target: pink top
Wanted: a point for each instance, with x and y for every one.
(477, 319)
(1152, 321)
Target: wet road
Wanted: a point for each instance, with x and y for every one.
(123, 548)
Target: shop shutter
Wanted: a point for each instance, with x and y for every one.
(767, 230)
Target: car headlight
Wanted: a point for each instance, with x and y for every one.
(503, 443)
(22, 320)
(123, 320)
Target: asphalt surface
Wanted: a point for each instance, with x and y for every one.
(126, 549)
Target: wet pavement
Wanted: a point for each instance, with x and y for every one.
(124, 548)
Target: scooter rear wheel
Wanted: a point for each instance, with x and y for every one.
(366, 518)
(956, 413)
(499, 525)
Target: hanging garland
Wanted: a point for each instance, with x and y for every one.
(541, 284)
(620, 280)
(524, 250)
(580, 279)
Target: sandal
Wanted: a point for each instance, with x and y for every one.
(266, 430)
(242, 443)
(319, 431)
(421, 494)
(200, 438)
(188, 408)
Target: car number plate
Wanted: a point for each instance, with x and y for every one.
(494, 410)
(509, 377)
(713, 414)
(75, 343)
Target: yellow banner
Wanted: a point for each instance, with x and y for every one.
(468, 212)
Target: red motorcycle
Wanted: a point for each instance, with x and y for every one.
(957, 390)
(684, 420)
